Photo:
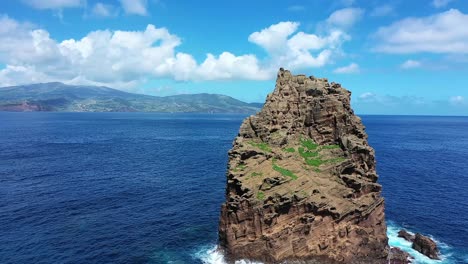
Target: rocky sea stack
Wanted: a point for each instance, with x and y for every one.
(301, 181)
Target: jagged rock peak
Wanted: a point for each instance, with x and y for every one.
(301, 181)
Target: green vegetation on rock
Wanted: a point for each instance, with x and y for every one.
(239, 167)
(261, 196)
(262, 145)
(309, 144)
(290, 150)
(307, 154)
(330, 147)
(255, 174)
(310, 152)
(284, 172)
(314, 162)
(335, 160)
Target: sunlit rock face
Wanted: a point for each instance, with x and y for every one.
(301, 181)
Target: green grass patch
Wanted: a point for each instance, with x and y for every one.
(307, 154)
(331, 147)
(240, 167)
(290, 150)
(310, 152)
(284, 172)
(314, 162)
(308, 144)
(261, 196)
(336, 160)
(262, 145)
(256, 174)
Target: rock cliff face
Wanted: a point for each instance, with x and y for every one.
(301, 181)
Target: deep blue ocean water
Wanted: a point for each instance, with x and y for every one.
(147, 188)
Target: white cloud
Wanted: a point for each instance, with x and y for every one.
(293, 50)
(383, 10)
(54, 4)
(441, 3)
(296, 8)
(457, 100)
(352, 68)
(273, 38)
(104, 10)
(124, 59)
(439, 33)
(367, 96)
(345, 17)
(389, 100)
(410, 64)
(135, 7)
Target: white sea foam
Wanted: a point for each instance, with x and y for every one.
(211, 255)
(395, 241)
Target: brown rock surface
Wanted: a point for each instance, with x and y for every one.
(426, 246)
(407, 236)
(301, 181)
(398, 256)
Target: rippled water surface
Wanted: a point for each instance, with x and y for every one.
(146, 188)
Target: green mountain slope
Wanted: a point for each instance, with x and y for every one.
(71, 98)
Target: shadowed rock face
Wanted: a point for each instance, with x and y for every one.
(398, 256)
(426, 246)
(404, 234)
(301, 181)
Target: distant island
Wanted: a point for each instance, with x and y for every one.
(59, 97)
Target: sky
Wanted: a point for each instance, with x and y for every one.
(395, 56)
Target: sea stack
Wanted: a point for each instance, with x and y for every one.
(301, 181)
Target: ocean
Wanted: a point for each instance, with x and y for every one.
(147, 188)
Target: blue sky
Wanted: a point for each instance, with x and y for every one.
(396, 56)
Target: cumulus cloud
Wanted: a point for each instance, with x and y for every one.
(54, 4)
(124, 59)
(294, 50)
(135, 7)
(439, 33)
(441, 3)
(273, 38)
(104, 10)
(352, 68)
(457, 100)
(346, 17)
(367, 96)
(392, 101)
(410, 64)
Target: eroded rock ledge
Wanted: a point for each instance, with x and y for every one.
(301, 181)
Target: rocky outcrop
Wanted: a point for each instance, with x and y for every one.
(423, 244)
(426, 246)
(398, 256)
(301, 181)
(407, 236)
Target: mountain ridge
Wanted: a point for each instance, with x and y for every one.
(59, 97)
